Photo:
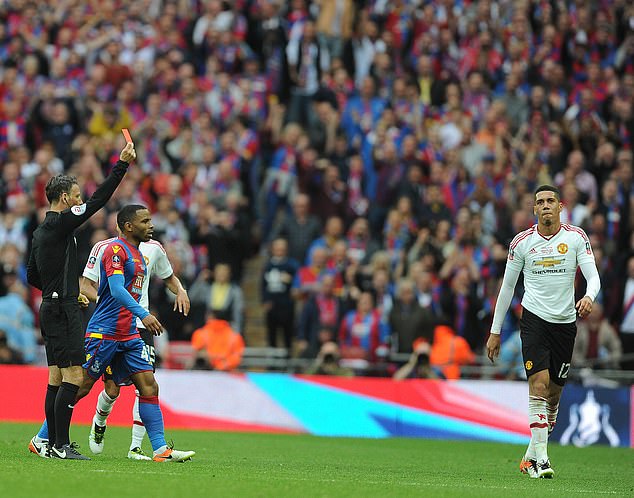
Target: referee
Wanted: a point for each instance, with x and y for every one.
(53, 268)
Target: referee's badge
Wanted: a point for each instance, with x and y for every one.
(78, 210)
(529, 363)
(562, 248)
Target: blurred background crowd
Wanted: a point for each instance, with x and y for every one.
(373, 158)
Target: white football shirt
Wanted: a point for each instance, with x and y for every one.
(549, 265)
(156, 262)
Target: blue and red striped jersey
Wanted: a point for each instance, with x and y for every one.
(111, 318)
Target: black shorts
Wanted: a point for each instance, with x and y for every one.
(547, 345)
(148, 339)
(62, 331)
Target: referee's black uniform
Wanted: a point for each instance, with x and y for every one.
(53, 269)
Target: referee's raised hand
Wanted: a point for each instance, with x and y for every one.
(128, 154)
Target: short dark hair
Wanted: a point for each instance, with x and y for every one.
(57, 185)
(549, 188)
(127, 213)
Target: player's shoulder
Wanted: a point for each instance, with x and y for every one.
(574, 231)
(151, 246)
(115, 246)
(101, 246)
(522, 236)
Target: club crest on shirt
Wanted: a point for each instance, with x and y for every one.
(529, 365)
(562, 248)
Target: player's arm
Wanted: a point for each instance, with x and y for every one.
(181, 303)
(75, 216)
(116, 283)
(593, 286)
(514, 265)
(163, 269)
(88, 283)
(88, 288)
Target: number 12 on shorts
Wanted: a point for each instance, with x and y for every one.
(564, 370)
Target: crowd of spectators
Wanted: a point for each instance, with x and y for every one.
(381, 155)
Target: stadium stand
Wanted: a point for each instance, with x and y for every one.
(422, 126)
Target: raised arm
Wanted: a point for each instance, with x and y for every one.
(76, 215)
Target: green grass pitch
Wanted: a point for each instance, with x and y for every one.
(264, 465)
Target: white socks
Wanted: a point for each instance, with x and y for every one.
(104, 407)
(138, 429)
(538, 420)
(552, 410)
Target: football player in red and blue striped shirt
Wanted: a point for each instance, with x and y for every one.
(112, 338)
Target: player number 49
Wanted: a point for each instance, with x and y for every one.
(563, 371)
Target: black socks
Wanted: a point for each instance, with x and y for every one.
(49, 411)
(64, 404)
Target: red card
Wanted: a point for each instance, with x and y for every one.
(126, 134)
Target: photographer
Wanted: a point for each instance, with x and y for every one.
(418, 365)
(327, 362)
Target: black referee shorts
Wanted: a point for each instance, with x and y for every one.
(62, 331)
(547, 345)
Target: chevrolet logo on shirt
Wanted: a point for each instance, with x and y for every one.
(548, 262)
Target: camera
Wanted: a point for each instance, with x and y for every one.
(422, 360)
(329, 358)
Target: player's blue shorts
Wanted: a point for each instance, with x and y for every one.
(123, 358)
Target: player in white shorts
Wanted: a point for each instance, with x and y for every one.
(157, 264)
(548, 255)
